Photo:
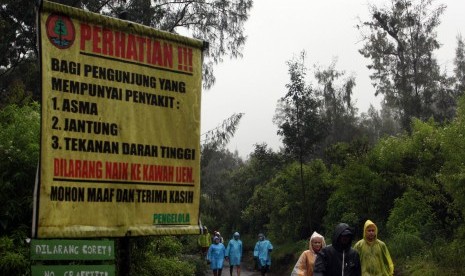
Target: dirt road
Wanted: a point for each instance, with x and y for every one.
(246, 270)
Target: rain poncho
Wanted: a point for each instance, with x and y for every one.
(338, 258)
(234, 251)
(204, 239)
(216, 253)
(262, 251)
(374, 256)
(304, 266)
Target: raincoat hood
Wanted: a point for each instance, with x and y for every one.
(374, 255)
(340, 229)
(313, 236)
(368, 223)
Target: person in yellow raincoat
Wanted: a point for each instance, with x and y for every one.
(204, 241)
(374, 254)
(304, 266)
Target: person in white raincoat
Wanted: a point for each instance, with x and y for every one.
(304, 266)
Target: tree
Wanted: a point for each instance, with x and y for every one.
(401, 41)
(261, 167)
(278, 207)
(216, 164)
(298, 117)
(17, 32)
(359, 194)
(453, 171)
(218, 22)
(160, 255)
(338, 109)
(459, 70)
(219, 137)
(378, 124)
(19, 154)
(18, 62)
(298, 113)
(216, 196)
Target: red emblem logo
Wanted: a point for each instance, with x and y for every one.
(60, 31)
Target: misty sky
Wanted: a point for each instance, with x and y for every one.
(279, 30)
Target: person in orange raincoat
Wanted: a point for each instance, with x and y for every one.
(374, 254)
(304, 266)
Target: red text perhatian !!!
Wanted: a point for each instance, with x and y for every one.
(131, 47)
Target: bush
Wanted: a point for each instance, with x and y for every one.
(161, 266)
(406, 245)
(284, 256)
(450, 256)
(13, 258)
(199, 264)
(162, 255)
(422, 266)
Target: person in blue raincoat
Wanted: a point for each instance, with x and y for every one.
(234, 254)
(262, 253)
(215, 256)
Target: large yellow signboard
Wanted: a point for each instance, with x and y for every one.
(120, 143)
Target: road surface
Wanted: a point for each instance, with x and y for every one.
(246, 270)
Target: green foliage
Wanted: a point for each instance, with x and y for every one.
(257, 213)
(338, 109)
(219, 206)
(412, 214)
(14, 259)
(162, 256)
(298, 117)
(459, 70)
(341, 154)
(400, 41)
(388, 154)
(166, 246)
(19, 134)
(228, 184)
(453, 171)
(422, 266)
(17, 32)
(360, 194)
(19, 156)
(405, 245)
(219, 137)
(285, 256)
(412, 185)
(440, 259)
(161, 266)
(18, 60)
(199, 264)
(449, 255)
(376, 124)
(220, 23)
(278, 205)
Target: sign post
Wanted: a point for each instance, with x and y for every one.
(120, 129)
(82, 250)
